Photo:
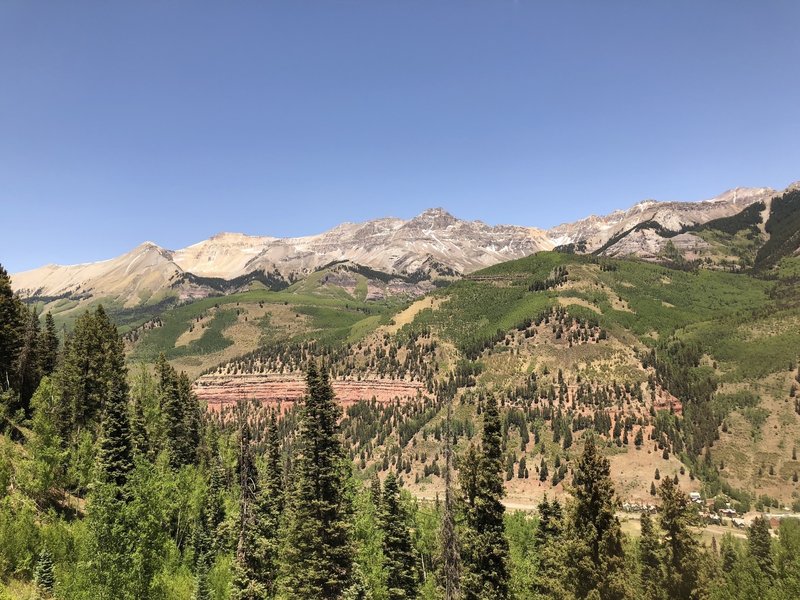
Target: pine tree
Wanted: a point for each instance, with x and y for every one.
(214, 507)
(43, 574)
(375, 492)
(450, 558)
(193, 420)
(727, 553)
(485, 547)
(205, 537)
(45, 445)
(595, 558)
(759, 546)
(114, 454)
(202, 590)
(172, 412)
(11, 328)
(140, 439)
(548, 542)
(680, 547)
(115, 450)
(48, 346)
(28, 364)
(398, 550)
(549, 527)
(93, 355)
(246, 583)
(318, 554)
(650, 559)
(268, 510)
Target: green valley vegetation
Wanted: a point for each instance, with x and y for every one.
(539, 379)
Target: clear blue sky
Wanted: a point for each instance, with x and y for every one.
(171, 121)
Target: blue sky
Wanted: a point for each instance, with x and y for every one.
(171, 121)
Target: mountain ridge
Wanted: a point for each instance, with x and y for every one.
(390, 245)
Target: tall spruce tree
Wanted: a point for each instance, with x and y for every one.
(172, 411)
(115, 448)
(214, 507)
(681, 549)
(759, 546)
(450, 556)
(595, 557)
(548, 542)
(650, 560)
(11, 329)
(28, 365)
(206, 538)
(140, 439)
(268, 509)
(192, 420)
(92, 357)
(485, 547)
(48, 346)
(728, 555)
(400, 559)
(318, 553)
(246, 583)
(202, 590)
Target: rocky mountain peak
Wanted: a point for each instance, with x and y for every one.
(433, 218)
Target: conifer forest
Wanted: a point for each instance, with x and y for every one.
(399, 300)
(117, 481)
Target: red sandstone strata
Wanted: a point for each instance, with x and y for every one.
(219, 391)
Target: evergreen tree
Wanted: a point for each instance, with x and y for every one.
(727, 553)
(485, 547)
(548, 542)
(43, 574)
(375, 492)
(549, 527)
(268, 510)
(595, 558)
(398, 550)
(214, 508)
(139, 437)
(45, 445)
(115, 450)
(48, 346)
(650, 559)
(246, 583)
(759, 546)
(145, 414)
(206, 540)
(11, 328)
(680, 547)
(318, 554)
(28, 365)
(193, 420)
(450, 558)
(93, 355)
(202, 590)
(172, 412)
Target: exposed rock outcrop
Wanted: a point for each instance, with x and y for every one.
(219, 391)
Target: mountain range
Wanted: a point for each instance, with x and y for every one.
(432, 246)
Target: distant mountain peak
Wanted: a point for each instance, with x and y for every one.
(433, 218)
(435, 212)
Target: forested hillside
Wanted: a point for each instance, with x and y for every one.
(566, 407)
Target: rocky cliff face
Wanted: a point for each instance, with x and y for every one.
(596, 231)
(219, 391)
